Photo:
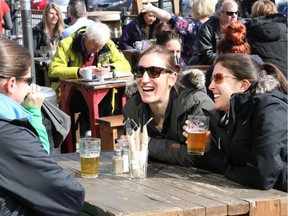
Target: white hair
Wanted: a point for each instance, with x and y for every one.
(99, 32)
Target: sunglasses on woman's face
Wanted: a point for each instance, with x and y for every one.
(219, 78)
(153, 72)
(27, 80)
(230, 13)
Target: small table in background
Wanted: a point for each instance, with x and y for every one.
(93, 93)
(132, 56)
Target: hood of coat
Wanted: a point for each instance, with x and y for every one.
(269, 28)
(192, 78)
(266, 83)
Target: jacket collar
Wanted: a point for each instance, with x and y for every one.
(10, 109)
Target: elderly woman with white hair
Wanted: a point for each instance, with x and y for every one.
(87, 47)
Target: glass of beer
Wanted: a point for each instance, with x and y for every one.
(197, 134)
(89, 149)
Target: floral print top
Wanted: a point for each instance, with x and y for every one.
(187, 28)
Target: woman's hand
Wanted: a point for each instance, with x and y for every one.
(147, 8)
(34, 99)
(208, 134)
(101, 70)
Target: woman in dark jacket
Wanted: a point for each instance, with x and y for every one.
(249, 123)
(267, 34)
(143, 27)
(31, 182)
(168, 98)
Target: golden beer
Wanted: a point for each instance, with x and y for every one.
(196, 141)
(89, 166)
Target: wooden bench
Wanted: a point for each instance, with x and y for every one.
(111, 128)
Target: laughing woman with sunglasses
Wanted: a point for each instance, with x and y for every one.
(31, 182)
(168, 97)
(249, 123)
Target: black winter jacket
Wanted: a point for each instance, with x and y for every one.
(255, 140)
(207, 38)
(267, 36)
(31, 182)
(169, 144)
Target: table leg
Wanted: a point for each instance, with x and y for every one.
(93, 98)
(66, 94)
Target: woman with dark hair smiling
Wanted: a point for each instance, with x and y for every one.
(249, 124)
(162, 93)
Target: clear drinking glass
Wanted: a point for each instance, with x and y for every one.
(44, 52)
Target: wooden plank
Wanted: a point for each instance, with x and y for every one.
(172, 190)
(284, 206)
(265, 207)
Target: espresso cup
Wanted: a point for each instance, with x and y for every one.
(138, 45)
(87, 74)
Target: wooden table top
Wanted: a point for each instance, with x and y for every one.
(171, 190)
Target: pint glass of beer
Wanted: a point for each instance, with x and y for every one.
(89, 149)
(197, 134)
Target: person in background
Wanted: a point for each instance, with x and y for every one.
(171, 40)
(232, 40)
(5, 16)
(249, 124)
(187, 28)
(37, 184)
(163, 93)
(48, 31)
(78, 17)
(208, 35)
(143, 27)
(267, 34)
(89, 47)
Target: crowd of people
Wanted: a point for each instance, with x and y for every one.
(244, 94)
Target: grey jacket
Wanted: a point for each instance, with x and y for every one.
(169, 144)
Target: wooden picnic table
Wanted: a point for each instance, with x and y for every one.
(171, 190)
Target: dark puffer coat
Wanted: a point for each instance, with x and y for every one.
(267, 36)
(255, 140)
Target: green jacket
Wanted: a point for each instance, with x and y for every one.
(68, 58)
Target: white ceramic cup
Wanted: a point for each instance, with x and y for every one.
(87, 74)
(138, 45)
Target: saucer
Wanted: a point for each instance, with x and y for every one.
(89, 80)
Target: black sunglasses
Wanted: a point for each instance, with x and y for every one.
(230, 13)
(219, 78)
(153, 72)
(27, 80)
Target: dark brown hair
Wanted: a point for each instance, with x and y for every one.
(15, 59)
(244, 66)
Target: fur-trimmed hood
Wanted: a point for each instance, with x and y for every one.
(192, 78)
(266, 84)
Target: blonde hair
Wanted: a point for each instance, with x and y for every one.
(60, 24)
(263, 7)
(202, 8)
